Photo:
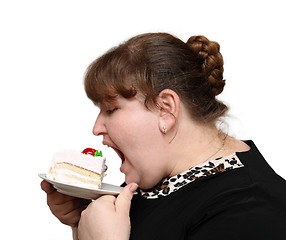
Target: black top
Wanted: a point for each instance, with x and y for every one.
(248, 202)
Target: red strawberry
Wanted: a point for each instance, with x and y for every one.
(90, 151)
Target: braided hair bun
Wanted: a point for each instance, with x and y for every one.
(212, 61)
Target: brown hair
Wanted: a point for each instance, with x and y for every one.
(152, 62)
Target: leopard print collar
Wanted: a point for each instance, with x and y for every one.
(171, 184)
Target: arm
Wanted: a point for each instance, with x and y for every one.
(74, 233)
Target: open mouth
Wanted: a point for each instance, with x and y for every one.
(119, 153)
(115, 148)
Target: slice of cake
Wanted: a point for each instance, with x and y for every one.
(84, 169)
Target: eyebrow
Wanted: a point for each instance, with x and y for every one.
(108, 101)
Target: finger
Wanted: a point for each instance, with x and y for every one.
(123, 201)
(72, 218)
(66, 207)
(57, 198)
(47, 187)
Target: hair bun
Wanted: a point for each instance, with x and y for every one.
(212, 61)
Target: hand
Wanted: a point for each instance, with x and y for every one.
(66, 208)
(108, 217)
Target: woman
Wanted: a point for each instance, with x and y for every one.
(159, 112)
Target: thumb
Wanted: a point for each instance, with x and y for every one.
(123, 201)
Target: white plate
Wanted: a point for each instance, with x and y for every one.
(82, 192)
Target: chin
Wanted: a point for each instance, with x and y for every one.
(141, 183)
(144, 185)
(131, 180)
(147, 186)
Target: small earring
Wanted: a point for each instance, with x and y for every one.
(164, 129)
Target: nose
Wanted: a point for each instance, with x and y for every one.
(99, 126)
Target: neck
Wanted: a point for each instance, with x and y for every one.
(194, 145)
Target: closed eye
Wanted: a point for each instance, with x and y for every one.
(110, 111)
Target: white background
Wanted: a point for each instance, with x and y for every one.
(46, 47)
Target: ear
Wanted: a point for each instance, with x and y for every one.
(169, 103)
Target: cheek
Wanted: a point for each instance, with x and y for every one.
(136, 133)
(144, 128)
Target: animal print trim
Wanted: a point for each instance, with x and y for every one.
(171, 184)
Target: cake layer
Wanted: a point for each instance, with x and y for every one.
(70, 174)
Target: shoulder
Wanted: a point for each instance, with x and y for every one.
(234, 145)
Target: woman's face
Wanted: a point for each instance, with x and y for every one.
(133, 132)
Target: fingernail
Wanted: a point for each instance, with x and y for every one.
(133, 187)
